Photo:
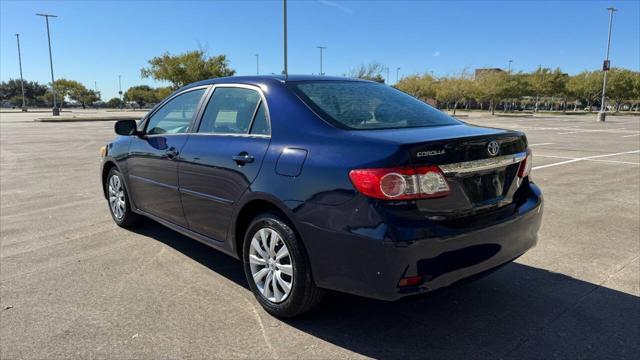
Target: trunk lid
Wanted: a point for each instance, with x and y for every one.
(480, 165)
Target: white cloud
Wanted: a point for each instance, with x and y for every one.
(436, 54)
(336, 5)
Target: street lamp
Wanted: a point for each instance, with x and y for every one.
(510, 61)
(321, 48)
(24, 107)
(388, 80)
(257, 64)
(56, 110)
(397, 74)
(602, 114)
(120, 89)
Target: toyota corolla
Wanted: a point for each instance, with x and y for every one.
(321, 183)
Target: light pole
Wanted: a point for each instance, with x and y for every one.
(388, 80)
(24, 106)
(56, 110)
(510, 61)
(120, 89)
(321, 49)
(286, 71)
(397, 74)
(602, 114)
(257, 64)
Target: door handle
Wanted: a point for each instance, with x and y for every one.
(172, 153)
(243, 158)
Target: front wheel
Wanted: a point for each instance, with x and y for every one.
(277, 268)
(118, 198)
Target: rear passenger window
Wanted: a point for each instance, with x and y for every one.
(229, 111)
(260, 123)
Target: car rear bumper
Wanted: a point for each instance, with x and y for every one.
(366, 263)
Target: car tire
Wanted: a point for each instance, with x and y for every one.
(118, 200)
(269, 272)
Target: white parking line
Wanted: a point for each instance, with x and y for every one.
(597, 160)
(638, 134)
(570, 132)
(541, 144)
(583, 158)
(570, 129)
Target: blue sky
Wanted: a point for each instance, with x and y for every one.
(98, 40)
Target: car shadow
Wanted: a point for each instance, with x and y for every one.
(517, 312)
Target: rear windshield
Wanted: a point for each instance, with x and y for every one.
(367, 105)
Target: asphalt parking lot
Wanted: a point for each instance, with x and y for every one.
(73, 284)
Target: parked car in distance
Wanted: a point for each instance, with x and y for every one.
(320, 183)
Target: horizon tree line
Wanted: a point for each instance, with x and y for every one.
(491, 89)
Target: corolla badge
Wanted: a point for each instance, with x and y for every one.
(429, 153)
(493, 148)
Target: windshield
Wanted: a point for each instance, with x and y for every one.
(366, 105)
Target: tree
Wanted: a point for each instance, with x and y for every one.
(162, 93)
(372, 71)
(141, 94)
(620, 86)
(454, 89)
(422, 87)
(33, 92)
(87, 98)
(492, 85)
(68, 89)
(585, 87)
(545, 82)
(114, 103)
(186, 68)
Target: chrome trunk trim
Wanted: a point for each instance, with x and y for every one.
(482, 164)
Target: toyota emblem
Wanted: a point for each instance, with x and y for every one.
(493, 148)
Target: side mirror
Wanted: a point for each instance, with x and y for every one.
(126, 127)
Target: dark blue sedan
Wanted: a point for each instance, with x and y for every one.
(326, 183)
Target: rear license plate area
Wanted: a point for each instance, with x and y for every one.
(483, 187)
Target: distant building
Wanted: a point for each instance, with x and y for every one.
(480, 72)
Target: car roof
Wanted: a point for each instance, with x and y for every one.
(266, 79)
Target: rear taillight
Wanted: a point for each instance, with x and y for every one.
(525, 165)
(400, 183)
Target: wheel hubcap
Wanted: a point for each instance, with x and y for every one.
(271, 265)
(116, 197)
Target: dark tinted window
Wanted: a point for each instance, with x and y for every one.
(175, 116)
(260, 123)
(365, 105)
(229, 111)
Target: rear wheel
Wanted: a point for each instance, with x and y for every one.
(277, 268)
(118, 199)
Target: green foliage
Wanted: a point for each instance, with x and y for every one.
(34, 92)
(88, 97)
(553, 88)
(74, 90)
(455, 89)
(141, 94)
(420, 86)
(162, 93)
(547, 82)
(186, 68)
(620, 86)
(585, 87)
(114, 103)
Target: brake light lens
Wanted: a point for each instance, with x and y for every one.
(525, 165)
(400, 183)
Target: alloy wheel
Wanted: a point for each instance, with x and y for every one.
(116, 197)
(271, 265)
